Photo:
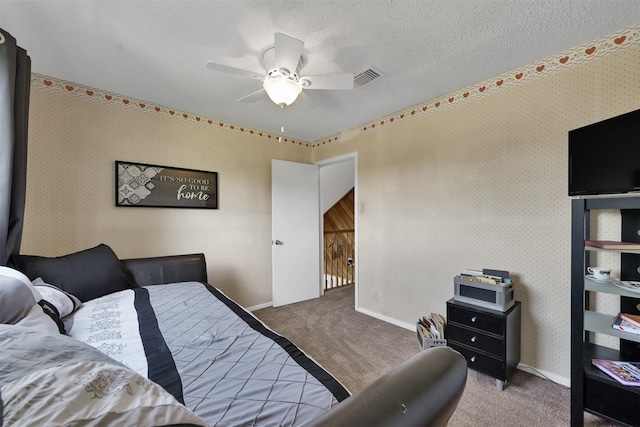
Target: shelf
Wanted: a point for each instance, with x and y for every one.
(594, 351)
(618, 202)
(608, 288)
(604, 396)
(626, 251)
(592, 390)
(601, 323)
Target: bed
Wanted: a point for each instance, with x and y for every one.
(147, 341)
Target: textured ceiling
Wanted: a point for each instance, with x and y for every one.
(157, 50)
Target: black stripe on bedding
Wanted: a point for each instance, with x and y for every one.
(162, 367)
(296, 354)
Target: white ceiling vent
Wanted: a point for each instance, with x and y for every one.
(366, 77)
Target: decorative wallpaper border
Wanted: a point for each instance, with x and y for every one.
(552, 64)
(97, 95)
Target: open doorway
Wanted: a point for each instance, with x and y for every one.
(338, 198)
(339, 243)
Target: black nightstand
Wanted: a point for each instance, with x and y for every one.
(488, 339)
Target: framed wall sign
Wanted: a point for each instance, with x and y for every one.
(142, 185)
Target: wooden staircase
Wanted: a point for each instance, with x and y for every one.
(339, 243)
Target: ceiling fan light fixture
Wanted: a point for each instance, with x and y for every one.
(282, 91)
(284, 72)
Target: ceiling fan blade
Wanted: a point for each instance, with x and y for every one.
(287, 52)
(329, 81)
(235, 71)
(253, 96)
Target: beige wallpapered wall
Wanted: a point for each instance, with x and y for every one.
(475, 179)
(73, 143)
(483, 185)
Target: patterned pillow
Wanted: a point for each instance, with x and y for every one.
(63, 301)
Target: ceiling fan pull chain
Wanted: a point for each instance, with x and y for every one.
(282, 124)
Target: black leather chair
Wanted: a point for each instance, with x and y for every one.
(423, 391)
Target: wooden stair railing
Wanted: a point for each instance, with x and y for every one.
(338, 259)
(339, 243)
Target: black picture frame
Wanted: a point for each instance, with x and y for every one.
(145, 185)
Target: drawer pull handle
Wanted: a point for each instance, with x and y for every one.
(473, 358)
(473, 339)
(473, 319)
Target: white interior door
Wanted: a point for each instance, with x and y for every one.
(295, 208)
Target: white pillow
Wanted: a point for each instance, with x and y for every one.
(19, 302)
(63, 301)
(17, 295)
(37, 319)
(10, 272)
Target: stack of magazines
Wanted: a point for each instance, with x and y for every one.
(627, 323)
(488, 277)
(627, 373)
(432, 326)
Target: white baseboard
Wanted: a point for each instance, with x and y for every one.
(259, 306)
(546, 375)
(411, 327)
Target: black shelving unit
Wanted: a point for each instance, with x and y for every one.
(591, 389)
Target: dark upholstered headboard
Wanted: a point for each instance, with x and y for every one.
(167, 269)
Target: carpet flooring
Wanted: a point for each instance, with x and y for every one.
(357, 349)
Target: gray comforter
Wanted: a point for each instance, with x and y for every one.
(211, 354)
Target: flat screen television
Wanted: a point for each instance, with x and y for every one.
(604, 157)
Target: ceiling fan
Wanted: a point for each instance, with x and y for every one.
(281, 79)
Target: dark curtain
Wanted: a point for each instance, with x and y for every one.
(15, 75)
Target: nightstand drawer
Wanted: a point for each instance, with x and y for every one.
(481, 362)
(477, 340)
(476, 319)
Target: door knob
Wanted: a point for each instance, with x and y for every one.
(279, 242)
